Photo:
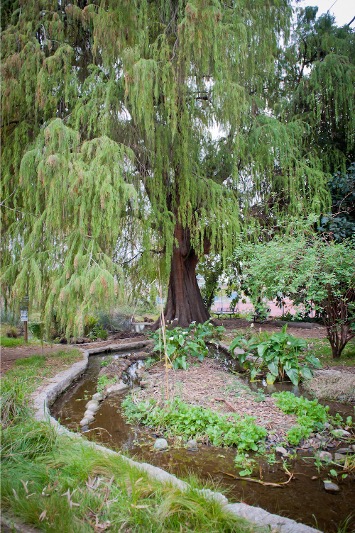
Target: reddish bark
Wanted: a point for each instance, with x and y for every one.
(184, 303)
(337, 321)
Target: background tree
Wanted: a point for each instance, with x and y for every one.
(319, 79)
(107, 112)
(340, 223)
(308, 270)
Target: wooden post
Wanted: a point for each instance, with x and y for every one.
(26, 331)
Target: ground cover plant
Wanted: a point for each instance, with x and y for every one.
(280, 355)
(57, 483)
(311, 415)
(180, 419)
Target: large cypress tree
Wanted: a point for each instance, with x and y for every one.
(108, 158)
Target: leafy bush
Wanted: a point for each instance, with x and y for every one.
(37, 329)
(281, 355)
(89, 324)
(184, 342)
(310, 415)
(179, 418)
(310, 270)
(98, 332)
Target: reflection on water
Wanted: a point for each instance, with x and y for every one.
(304, 499)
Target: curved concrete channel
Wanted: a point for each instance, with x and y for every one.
(45, 396)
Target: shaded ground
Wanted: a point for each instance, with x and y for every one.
(207, 384)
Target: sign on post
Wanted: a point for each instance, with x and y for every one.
(24, 315)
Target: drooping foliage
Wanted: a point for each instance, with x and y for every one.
(320, 67)
(108, 159)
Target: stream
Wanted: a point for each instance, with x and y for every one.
(303, 499)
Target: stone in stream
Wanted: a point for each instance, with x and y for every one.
(86, 420)
(93, 405)
(98, 397)
(119, 387)
(161, 444)
(329, 486)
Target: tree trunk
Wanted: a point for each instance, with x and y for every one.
(184, 303)
(337, 321)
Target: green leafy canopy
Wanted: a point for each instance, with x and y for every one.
(107, 116)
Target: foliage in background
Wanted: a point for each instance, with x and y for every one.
(280, 355)
(182, 343)
(320, 53)
(340, 223)
(180, 419)
(309, 270)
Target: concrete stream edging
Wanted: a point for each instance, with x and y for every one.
(45, 396)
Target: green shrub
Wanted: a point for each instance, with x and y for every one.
(279, 356)
(184, 342)
(37, 329)
(98, 332)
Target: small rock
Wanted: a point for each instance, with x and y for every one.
(90, 413)
(161, 444)
(143, 384)
(339, 458)
(98, 397)
(191, 445)
(341, 433)
(345, 450)
(281, 450)
(327, 425)
(325, 456)
(120, 387)
(92, 405)
(86, 421)
(330, 486)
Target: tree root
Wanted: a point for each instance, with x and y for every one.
(259, 481)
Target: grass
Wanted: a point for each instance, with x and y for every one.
(57, 483)
(323, 351)
(8, 342)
